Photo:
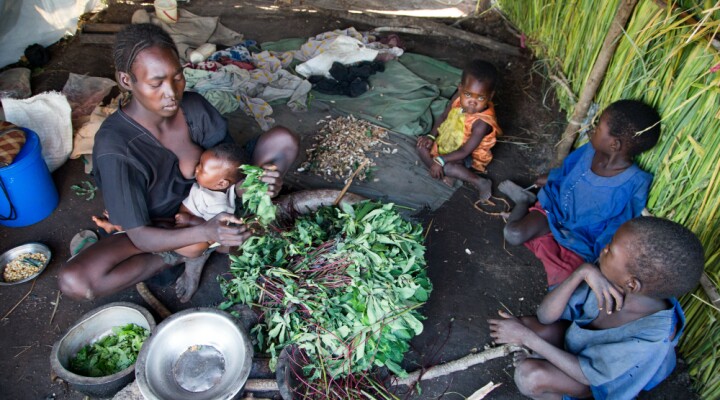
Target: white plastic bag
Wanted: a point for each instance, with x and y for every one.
(48, 114)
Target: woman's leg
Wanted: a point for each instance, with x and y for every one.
(108, 266)
(279, 146)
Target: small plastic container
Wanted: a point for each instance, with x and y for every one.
(202, 53)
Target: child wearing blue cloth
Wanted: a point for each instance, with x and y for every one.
(582, 203)
(610, 332)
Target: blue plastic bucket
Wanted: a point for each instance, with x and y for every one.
(27, 191)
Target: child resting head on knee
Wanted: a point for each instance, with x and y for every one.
(610, 332)
(459, 144)
(597, 188)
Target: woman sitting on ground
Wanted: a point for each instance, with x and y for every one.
(144, 159)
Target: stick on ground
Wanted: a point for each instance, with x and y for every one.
(458, 365)
(21, 300)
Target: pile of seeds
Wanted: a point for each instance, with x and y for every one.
(24, 266)
(342, 148)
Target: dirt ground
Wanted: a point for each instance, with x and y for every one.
(474, 274)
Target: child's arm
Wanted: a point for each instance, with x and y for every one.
(426, 141)
(553, 305)
(511, 330)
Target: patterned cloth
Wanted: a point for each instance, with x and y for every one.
(12, 140)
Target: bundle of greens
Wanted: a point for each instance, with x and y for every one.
(343, 286)
(255, 198)
(111, 354)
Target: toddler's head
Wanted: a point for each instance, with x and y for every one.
(633, 124)
(655, 257)
(218, 168)
(477, 86)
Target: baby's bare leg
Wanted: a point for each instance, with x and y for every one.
(187, 284)
(483, 185)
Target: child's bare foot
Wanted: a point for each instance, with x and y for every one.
(448, 181)
(105, 224)
(516, 193)
(484, 186)
(187, 284)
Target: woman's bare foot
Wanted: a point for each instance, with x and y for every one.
(187, 284)
(516, 193)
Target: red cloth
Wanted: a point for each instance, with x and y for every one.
(558, 261)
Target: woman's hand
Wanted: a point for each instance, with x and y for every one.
(609, 297)
(227, 230)
(272, 177)
(509, 330)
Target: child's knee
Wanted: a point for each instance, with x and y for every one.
(513, 234)
(530, 377)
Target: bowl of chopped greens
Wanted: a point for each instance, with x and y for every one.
(97, 355)
(23, 263)
(195, 354)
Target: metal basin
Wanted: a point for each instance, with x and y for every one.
(13, 253)
(95, 325)
(196, 354)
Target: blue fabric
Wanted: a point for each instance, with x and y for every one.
(583, 209)
(620, 362)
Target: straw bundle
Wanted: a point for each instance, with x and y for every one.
(666, 60)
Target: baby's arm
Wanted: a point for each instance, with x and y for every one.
(185, 217)
(553, 305)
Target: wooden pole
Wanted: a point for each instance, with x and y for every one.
(596, 76)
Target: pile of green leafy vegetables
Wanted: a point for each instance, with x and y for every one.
(111, 354)
(343, 285)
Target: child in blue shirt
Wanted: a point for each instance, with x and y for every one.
(582, 203)
(610, 332)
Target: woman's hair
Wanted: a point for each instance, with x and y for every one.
(666, 257)
(482, 71)
(135, 38)
(635, 123)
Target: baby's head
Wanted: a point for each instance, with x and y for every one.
(654, 257)
(631, 126)
(218, 168)
(477, 86)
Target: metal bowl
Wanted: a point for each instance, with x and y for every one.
(92, 326)
(16, 252)
(196, 354)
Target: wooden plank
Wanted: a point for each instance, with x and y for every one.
(102, 28)
(96, 38)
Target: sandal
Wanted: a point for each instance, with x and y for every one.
(82, 240)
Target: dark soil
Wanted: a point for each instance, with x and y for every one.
(474, 273)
